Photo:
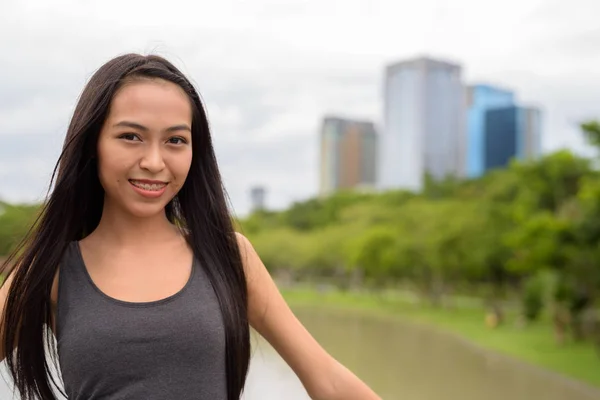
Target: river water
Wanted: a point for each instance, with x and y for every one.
(404, 361)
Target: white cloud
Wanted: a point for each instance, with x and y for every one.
(268, 70)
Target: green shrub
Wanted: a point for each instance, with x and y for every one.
(533, 298)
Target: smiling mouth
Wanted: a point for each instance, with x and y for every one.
(150, 186)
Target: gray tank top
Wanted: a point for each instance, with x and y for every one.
(172, 348)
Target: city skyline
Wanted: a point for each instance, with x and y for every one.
(476, 127)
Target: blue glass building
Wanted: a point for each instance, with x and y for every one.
(511, 132)
(481, 99)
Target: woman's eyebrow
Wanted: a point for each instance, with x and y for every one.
(135, 125)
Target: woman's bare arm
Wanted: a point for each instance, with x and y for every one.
(322, 376)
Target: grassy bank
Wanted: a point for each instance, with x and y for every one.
(534, 343)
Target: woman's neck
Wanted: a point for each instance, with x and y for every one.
(124, 230)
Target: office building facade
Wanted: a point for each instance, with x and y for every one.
(424, 124)
(348, 155)
(512, 132)
(480, 99)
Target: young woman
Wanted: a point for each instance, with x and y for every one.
(134, 264)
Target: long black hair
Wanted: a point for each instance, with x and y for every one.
(73, 210)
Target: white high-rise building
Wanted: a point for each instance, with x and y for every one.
(424, 123)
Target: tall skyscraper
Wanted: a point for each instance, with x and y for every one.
(424, 123)
(480, 99)
(512, 132)
(348, 154)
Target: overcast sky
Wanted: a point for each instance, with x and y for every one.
(269, 70)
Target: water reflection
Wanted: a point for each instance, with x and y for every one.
(407, 361)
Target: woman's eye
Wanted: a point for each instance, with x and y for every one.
(129, 136)
(177, 140)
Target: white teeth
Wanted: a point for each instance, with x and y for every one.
(149, 186)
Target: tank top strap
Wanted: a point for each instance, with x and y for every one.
(73, 285)
(73, 263)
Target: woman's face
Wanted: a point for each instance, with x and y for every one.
(145, 146)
